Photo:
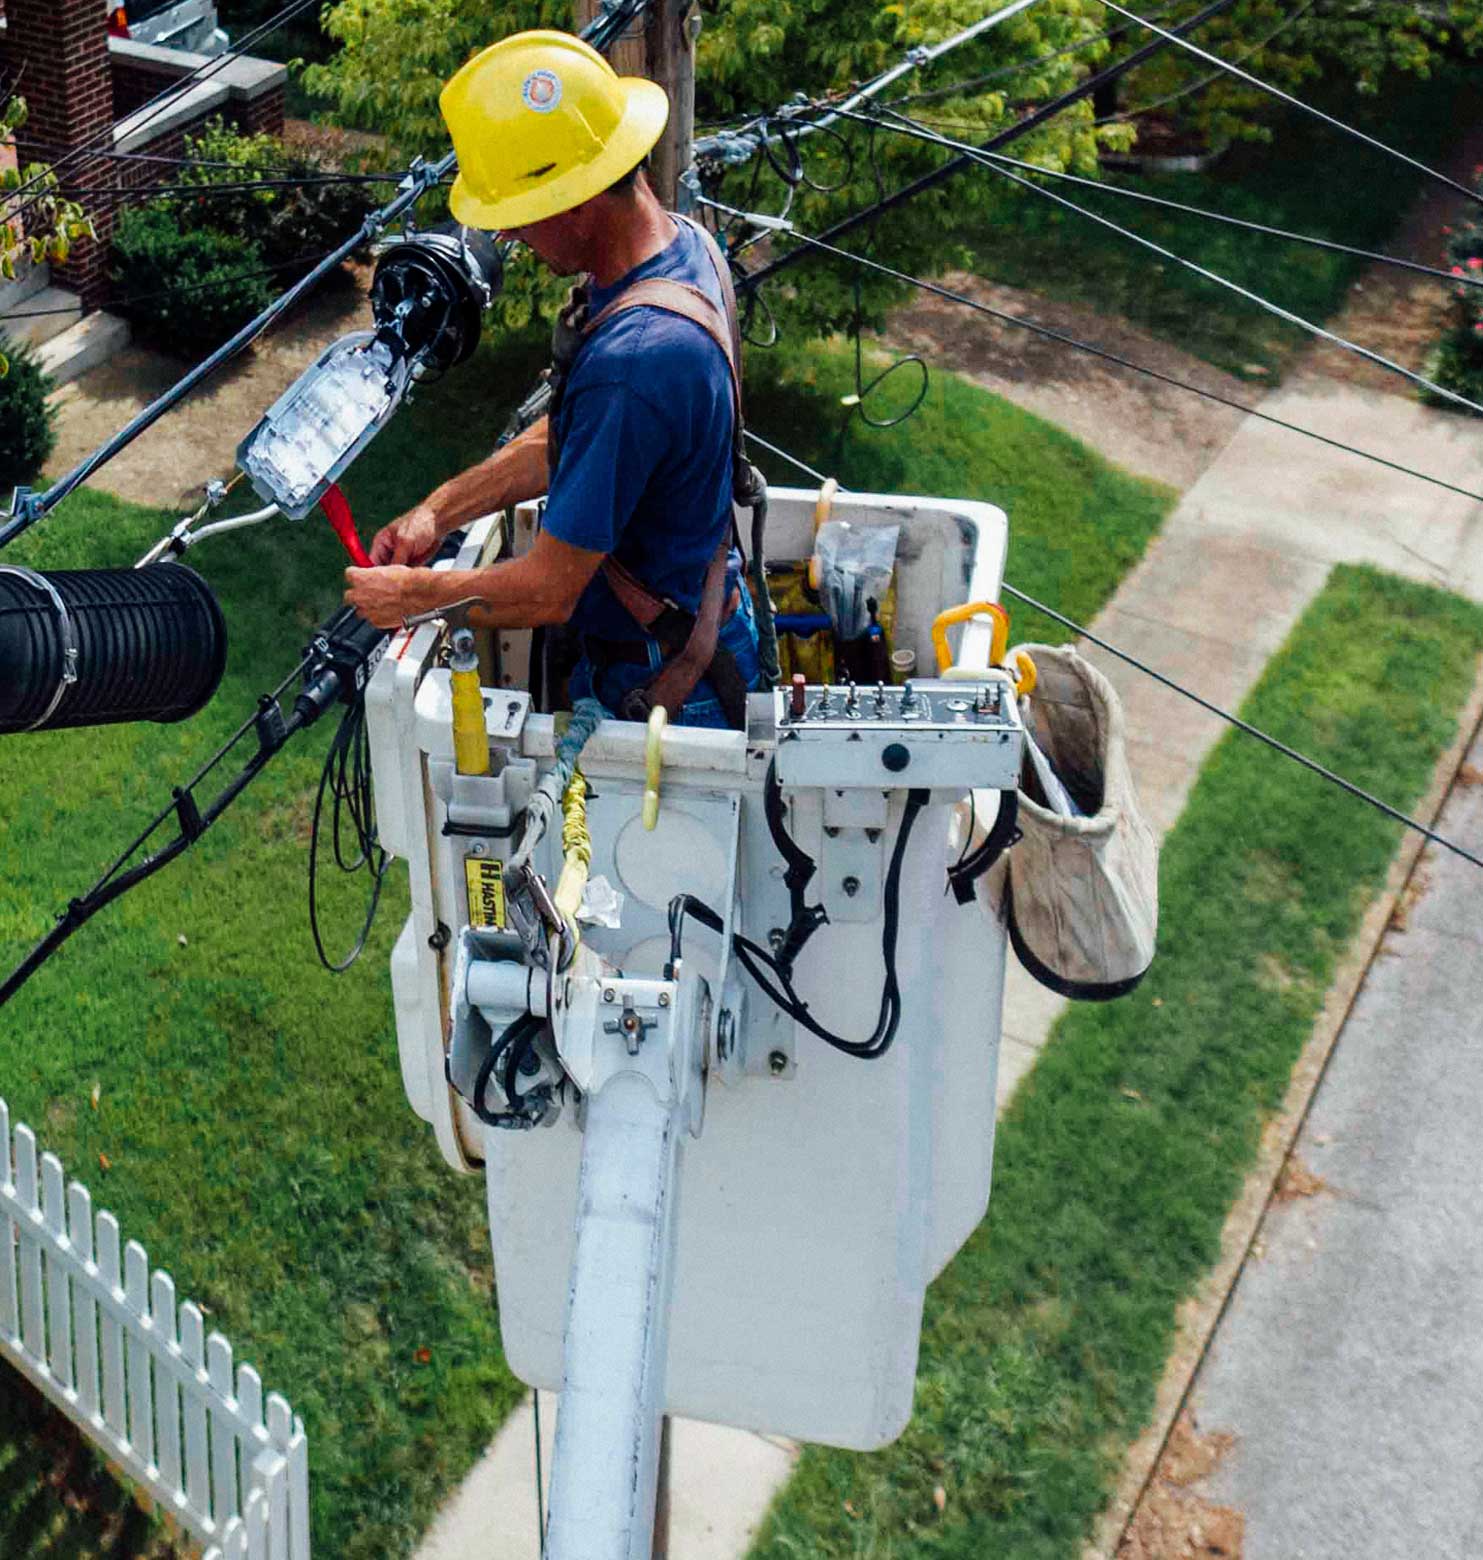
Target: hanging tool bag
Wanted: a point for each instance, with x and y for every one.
(1080, 894)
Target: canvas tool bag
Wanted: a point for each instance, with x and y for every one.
(1080, 894)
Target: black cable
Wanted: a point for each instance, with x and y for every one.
(346, 780)
(971, 865)
(765, 968)
(992, 159)
(512, 1042)
(803, 919)
(156, 105)
(964, 88)
(219, 190)
(1321, 332)
(186, 163)
(1251, 731)
(863, 390)
(1023, 322)
(176, 292)
(1013, 132)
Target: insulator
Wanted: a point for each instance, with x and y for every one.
(93, 647)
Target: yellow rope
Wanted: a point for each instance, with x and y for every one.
(576, 847)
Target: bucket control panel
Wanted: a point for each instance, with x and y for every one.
(952, 732)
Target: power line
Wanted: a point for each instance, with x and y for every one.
(1295, 102)
(1004, 72)
(156, 105)
(1002, 138)
(993, 159)
(174, 292)
(1275, 743)
(741, 145)
(1191, 88)
(1276, 309)
(1022, 322)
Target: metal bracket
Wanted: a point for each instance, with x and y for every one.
(852, 854)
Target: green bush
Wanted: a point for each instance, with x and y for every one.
(1456, 361)
(292, 223)
(186, 289)
(28, 431)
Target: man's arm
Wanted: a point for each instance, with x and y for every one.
(510, 476)
(539, 587)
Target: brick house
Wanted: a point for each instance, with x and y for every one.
(85, 89)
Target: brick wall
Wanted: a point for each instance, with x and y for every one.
(80, 87)
(59, 50)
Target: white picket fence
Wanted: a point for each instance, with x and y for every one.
(104, 1340)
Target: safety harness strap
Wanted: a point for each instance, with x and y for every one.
(699, 654)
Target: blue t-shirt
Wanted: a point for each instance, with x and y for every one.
(645, 432)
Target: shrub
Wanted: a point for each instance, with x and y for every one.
(1456, 361)
(187, 289)
(27, 419)
(292, 224)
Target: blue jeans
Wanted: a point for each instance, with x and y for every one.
(738, 635)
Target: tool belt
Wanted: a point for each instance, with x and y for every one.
(688, 641)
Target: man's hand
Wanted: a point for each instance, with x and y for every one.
(384, 596)
(409, 539)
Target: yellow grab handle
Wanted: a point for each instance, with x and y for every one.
(823, 505)
(1027, 675)
(470, 739)
(998, 645)
(658, 719)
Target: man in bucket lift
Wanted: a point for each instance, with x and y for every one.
(641, 454)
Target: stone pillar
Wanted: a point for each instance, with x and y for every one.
(60, 50)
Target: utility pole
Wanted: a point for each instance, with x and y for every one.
(664, 52)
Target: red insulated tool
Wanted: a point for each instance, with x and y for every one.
(337, 510)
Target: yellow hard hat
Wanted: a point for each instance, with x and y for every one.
(541, 122)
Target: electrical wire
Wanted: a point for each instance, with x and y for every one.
(1035, 327)
(1205, 81)
(1229, 69)
(774, 977)
(956, 165)
(992, 159)
(156, 105)
(1245, 726)
(1004, 72)
(204, 191)
(176, 292)
(1261, 302)
(346, 781)
(736, 145)
(184, 162)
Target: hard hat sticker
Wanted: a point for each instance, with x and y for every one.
(541, 91)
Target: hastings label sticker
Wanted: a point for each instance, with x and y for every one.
(486, 884)
(541, 91)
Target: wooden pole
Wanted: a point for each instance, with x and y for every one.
(664, 51)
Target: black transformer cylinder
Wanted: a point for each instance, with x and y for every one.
(150, 644)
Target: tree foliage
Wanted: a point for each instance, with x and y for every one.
(395, 55)
(1290, 43)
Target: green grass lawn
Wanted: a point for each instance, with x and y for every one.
(1308, 179)
(250, 1105)
(1126, 1145)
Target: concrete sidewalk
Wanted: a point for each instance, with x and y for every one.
(1344, 1387)
(1243, 553)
